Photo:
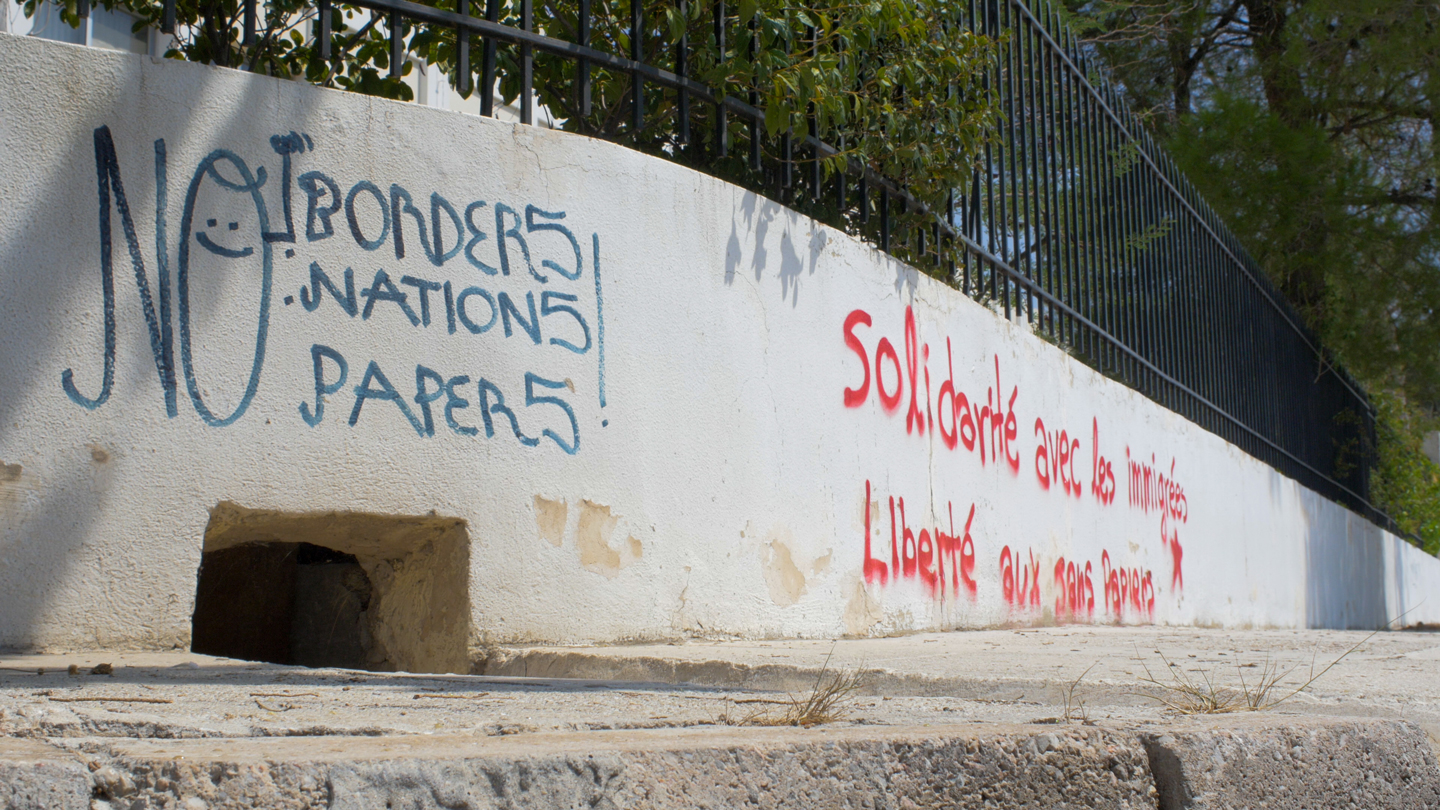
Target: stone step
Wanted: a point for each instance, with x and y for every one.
(1231, 762)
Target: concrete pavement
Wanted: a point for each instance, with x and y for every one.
(949, 719)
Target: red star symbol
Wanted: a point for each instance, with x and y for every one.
(1177, 579)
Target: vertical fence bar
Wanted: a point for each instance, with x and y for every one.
(1002, 221)
(1099, 311)
(1115, 241)
(1176, 282)
(950, 222)
(682, 69)
(787, 162)
(1065, 326)
(637, 53)
(994, 159)
(1113, 245)
(250, 25)
(1239, 339)
(1066, 176)
(1200, 273)
(462, 48)
(1058, 144)
(810, 125)
(1171, 280)
(722, 126)
(1075, 170)
(970, 207)
(754, 51)
(1040, 147)
(167, 19)
(323, 14)
(1009, 220)
(1218, 298)
(787, 146)
(1242, 394)
(397, 44)
(1106, 240)
(885, 219)
(1070, 195)
(1158, 248)
(1025, 152)
(487, 63)
(1189, 270)
(1130, 265)
(1045, 168)
(1157, 236)
(582, 65)
(1146, 266)
(527, 65)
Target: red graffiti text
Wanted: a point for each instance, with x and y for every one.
(1019, 580)
(988, 428)
(927, 556)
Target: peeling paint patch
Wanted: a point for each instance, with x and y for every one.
(9, 472)
(862, 611)
(98, 454)
(822, 563)
(592, 538)
(787, 583)
(550, 517)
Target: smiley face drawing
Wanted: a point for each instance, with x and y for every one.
(227, 243)
(204, 240)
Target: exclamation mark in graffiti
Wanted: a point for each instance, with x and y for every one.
(600, 319)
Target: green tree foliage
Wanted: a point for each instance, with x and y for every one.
(213, 31)
(1405, 477)
(896, 84)
(1309, 126)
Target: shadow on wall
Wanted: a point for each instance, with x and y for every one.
(759, 213)
(53, 498)
(1345, 568)
(341, 589)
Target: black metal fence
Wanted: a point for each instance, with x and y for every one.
(1075, 220)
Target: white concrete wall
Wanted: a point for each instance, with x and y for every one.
(687, 462)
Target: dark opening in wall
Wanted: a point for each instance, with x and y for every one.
(334, 589)
(285, 603)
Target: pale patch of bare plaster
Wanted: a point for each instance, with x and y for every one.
(822, 563)
(862, 610)
(550, 517)
(592, 538)
(782, 575)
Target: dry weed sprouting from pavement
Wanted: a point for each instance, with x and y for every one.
(1074, 707)
(1075, 711)
(1201, 693)
(831, 699)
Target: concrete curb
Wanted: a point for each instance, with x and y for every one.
(1231, 762)
(952, 766)
(35, 775)
(1285, 763)
(722, 674)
